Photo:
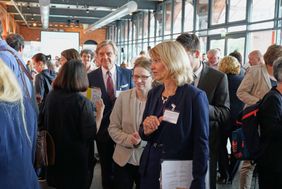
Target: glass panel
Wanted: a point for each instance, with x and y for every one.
(130, 30)
(146, 17)
(237, 44)
(280, 9)
(134, 23)
(177, 16)
(118, 33)
(218, 12)
(152, 25)
(202, 15)
(262, 10)
(122, 31)
(126, 31)
(219, 44)
(203, 42)
(140, 26)
(263, 25)
(168, 14)
(237, 10)
(159, 19)
(261, 40)
(189, 15)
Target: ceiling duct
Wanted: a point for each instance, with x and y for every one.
(124, 10)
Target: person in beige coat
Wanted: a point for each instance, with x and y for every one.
(256, 83)
(125, 120)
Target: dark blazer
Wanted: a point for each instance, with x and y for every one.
(270, 115)
(215, 84)
(123, 82)
(188, 139)
(70, 120)
(236, 105)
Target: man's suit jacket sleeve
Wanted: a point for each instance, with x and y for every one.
(219, 109)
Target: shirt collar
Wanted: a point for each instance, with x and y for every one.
(112, 70)
(197, 73)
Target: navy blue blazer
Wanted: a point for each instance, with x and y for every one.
(189, 138)
(123, 82)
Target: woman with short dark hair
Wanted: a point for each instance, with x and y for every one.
(45, 76)
(70, 119)
(69, 54)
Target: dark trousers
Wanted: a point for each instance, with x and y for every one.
(223, 162)
(150, 164)
(126, 176)
(268, 179)
(214, 146)
(106, 150)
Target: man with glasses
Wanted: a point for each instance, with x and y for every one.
(111, 79)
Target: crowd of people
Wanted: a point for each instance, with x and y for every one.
(173, 105)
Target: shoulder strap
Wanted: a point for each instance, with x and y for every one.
(23, 68)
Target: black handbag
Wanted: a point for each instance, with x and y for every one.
(45, 149)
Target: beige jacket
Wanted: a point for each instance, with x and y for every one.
(123, 122)
(255, 85)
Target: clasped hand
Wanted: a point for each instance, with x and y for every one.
(151, 123)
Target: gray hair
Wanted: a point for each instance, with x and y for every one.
(277, 69)
(107, 42)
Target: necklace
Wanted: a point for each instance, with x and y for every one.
(164, 99)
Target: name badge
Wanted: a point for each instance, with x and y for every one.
(170, 116)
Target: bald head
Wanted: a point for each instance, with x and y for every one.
(255, 58)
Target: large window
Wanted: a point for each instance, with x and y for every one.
(237, 10)
(261, 40)
(262, 10)
(189, 16)
(202, 15)
(177, 15)
(167, 22)
(242, 25)
(218, 12)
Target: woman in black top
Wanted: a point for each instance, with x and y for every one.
(69, 117)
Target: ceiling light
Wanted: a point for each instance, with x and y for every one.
(126, 9)
(44, 11)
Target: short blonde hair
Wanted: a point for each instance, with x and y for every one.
(229, 65)
(173, 55)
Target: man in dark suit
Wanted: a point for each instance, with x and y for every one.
(215, 84)
(111, 79)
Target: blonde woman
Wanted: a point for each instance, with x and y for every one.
(184, 134)
(232, 68)
(17, 134)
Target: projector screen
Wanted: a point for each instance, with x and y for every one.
(54, 43)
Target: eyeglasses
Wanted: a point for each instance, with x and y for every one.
(142, 77)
